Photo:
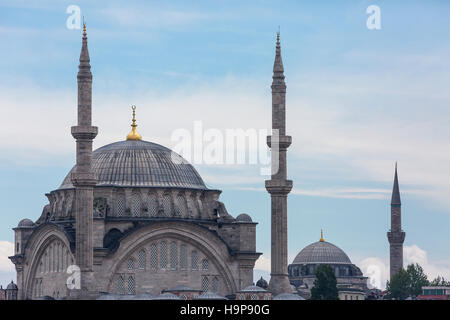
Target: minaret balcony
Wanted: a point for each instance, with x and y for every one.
(84, 132)
(396, 236)
(283, 142)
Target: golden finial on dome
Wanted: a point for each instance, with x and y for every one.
(134, 135)
(321, 236)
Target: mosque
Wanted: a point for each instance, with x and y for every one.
(128, 220)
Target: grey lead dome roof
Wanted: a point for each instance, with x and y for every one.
(322, 252)
(137, 163)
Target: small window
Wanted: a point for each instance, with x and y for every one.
(205, 264)
(183, 257)
(131, 285)
(130, 264)
(215, 285)
(120, 285)
(142, 257)
(163, 254)
(153, 257)
(194, 260)
(205, 284)
(173, 255)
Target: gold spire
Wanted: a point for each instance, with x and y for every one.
(321, 236)
(84, 27)
(134, 135)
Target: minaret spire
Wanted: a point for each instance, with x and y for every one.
(278, 186)
(396, 236)
(83, 178)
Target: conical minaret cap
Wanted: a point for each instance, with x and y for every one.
(278, 69)
(396, 190)
(84, 69)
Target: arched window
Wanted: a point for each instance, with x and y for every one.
(152, 205)
(254, 297)
(131, 285)
(120, 285)
(141, 259)
(167, 205)
(153, 256)
(183, 257)
(173, 255)
(194, 260)
(181, 206)
(205, 264)
(215, 285)
(183, 297)
(163, 254)
(135, 205)
(120, 205)
(130, 264)
(205, 284)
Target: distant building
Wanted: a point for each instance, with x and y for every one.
(351, 294)
(10, 293)
(435, 293)
(349, 277)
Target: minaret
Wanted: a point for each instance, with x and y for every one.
(278, 186)
(83, 178)
(396, 236)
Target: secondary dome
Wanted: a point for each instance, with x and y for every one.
(137, 163)
(322, 252)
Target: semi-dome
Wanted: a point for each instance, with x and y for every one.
(137, 163)
(25, 223)
(322, 252)
(243, 217)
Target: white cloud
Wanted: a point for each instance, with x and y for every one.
(414, 254)
(263, 263)
(6, 250)
(377, 271)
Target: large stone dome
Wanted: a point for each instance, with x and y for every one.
(136, 163)
(322, 252)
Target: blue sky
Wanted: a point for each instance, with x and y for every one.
(358, 100)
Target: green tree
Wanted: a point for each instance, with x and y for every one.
(407, 283)
(398, 287)
(439, 282)
(417, 279)
(325, 284)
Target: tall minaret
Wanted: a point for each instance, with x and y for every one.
(83, 178)
(396, 236)
(278, 186)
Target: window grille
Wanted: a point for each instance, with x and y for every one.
(152, 205)
(120, 285)
(183, 257)
(153, 257)
(136, 205)
(131, 285)
(173, 255)
(130, 264)
(181, 211)
(141, 258)
(215, 285)
(253, 297)
(163, 254)
(205, 264)
(120, 205)
(166, 205)
(194, 260)
(205, 284)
